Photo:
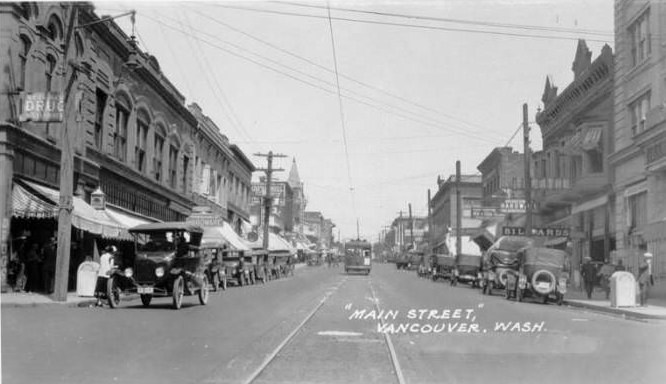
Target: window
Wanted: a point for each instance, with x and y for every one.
(637, 210)
(639, 38)
(159, 153)
(141, 140)
(186, 164)
(638, 111)
(99, 117)
(50, 71)
(54, 29)
(173, 159)
(596, 161)
(120, 133)
(23, 60)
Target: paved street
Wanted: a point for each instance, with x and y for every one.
(321, 326)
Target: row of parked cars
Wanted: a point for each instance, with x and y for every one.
(516, 266)
(171, 261)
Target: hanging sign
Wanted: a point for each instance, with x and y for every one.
(42, 107)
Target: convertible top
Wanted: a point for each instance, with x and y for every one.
(167, 226)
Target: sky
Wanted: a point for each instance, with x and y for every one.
(379, 100)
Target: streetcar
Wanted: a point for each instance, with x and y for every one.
(358, 256)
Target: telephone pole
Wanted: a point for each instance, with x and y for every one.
(430, 242)
(411, 226)
(268, 199)
(528, 174)
(458, 211)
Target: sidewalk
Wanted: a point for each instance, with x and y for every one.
(656, 308)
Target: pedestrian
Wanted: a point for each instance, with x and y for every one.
(105, 266)
(49, 266)
(644, 282)
(33, 262)
(589, 272)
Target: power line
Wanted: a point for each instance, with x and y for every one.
(460, 21)
(417, 26)
(342, 115)
(299, 57)
(436, 124)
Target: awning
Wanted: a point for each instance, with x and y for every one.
(591, 139)
(125, 219)
(224, 234)
(590, 204)
(27, 205)
(84, 216)
(556, 241)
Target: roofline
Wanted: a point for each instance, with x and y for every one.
(239, 152)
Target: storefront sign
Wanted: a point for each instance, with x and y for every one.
(656, 151)
(485, 212)
(43, 107)
(515, 206)
(277, 192)
(546, 232)
(206, 219)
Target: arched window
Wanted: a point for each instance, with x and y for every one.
(78, 45)
(54, 28)
(173, 164)
(142, 124)
(160, 134)
(23, 59)
(120, 133)
(50, 71)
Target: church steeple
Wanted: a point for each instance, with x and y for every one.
(294, 179)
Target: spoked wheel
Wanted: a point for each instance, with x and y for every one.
(203, 292)
(113, 292)
(178, 292)
(145, 299)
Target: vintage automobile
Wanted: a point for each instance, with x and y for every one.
(541, 274)
(167, 262)
(499, 259)
(467, 269)
(442, 266)
(425, 267)
(235, 268)
(414, 259)
(215, 272)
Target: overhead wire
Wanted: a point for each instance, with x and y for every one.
(311, 62)
(416, 26)
(422, 120)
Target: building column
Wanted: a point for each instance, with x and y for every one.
(6, 175)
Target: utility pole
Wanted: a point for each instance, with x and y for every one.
(528, 174)
(458, 211)
(268, 199)
(430, 244)
(358, 233)
(411, 226)
(401, 233)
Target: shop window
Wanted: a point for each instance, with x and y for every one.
(141, 140)
(120, 132)
(101, 98)
(639, 38)
(50, 71)
(23, 59)
(638, 110)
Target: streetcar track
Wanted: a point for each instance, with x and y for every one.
(387, 340)
(271, 356)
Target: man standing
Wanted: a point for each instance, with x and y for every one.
(645, 279)
(105, 265)
(589, 272)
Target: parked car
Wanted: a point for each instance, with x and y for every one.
(541, 274)
(212, 252)
(442, 266)
(168, 262)
(467, 269)
(499, 259)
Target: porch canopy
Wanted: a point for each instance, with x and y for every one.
(35, 201)
(224, 234)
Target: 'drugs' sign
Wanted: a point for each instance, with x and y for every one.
(42, 107)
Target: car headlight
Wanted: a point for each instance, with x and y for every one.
(129, 272)
(159, 271)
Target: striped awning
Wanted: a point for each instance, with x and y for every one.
(27, 205)
(592, 139)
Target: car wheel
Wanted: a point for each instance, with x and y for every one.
(145, 299)
(113, 292)
(178, 290)
(203, 291)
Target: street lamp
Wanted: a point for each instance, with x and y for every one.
(65, 204)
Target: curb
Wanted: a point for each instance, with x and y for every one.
(615, 311)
